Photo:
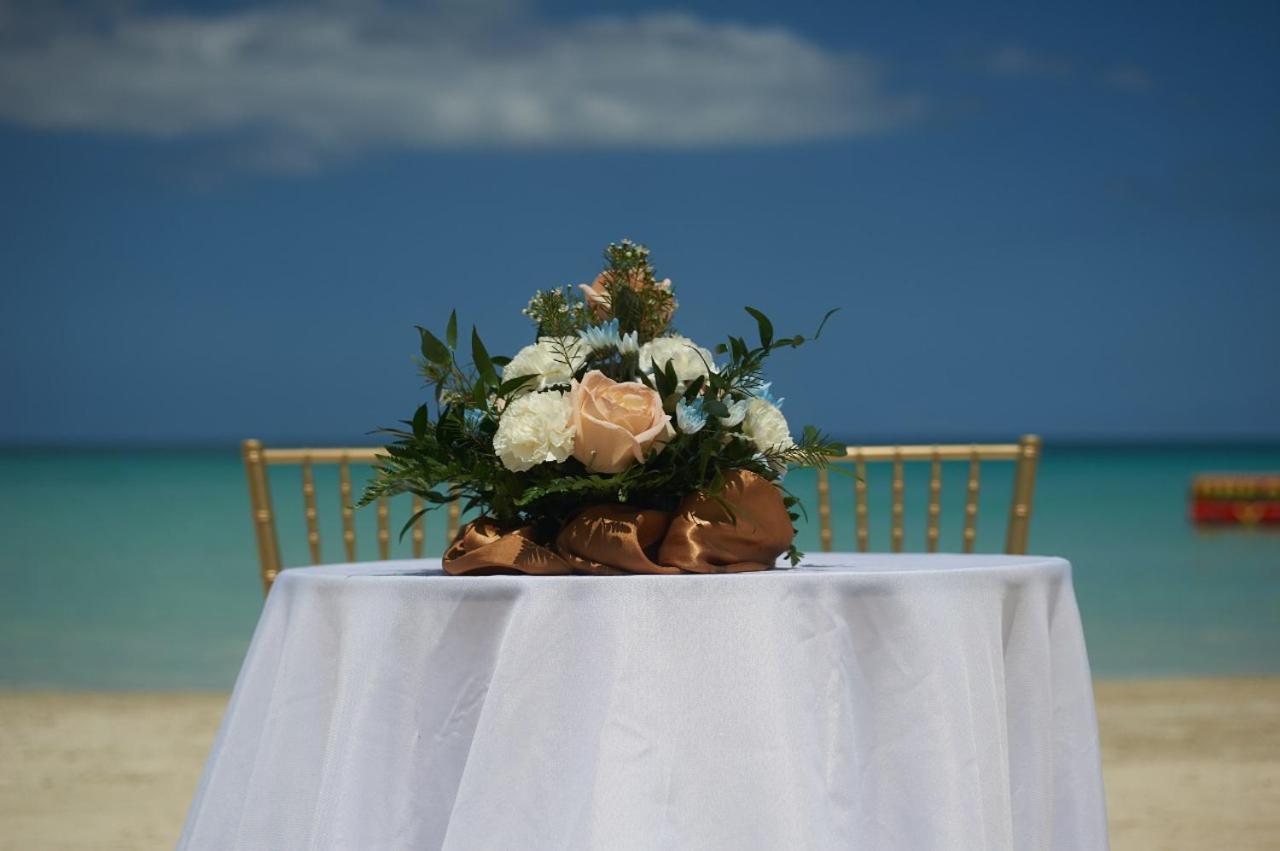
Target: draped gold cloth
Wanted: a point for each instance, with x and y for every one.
(699, 537)
(482, 547)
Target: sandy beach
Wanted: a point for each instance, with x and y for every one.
(1189, 764)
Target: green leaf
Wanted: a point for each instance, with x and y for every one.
(672, 379)
(666, 380)
(439, 430)
(434, 350)
(694, 388)
(480, 356)
(766, 327)
(739, 348)
(421, 421)
(508, 387)
(408, 524)
(832, 312)
(451, 330)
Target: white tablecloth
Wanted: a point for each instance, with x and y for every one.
(860, 701)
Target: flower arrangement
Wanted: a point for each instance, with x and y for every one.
(611, 444)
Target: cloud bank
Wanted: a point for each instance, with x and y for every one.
(320, 81)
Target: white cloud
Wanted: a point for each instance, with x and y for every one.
(1128, 78)
(318, 81)
(1014, 60)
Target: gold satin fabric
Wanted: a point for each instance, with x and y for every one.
(481, 547)
(703, 539)
(699, 537)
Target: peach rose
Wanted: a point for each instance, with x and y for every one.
(596, 293)
(615, 422)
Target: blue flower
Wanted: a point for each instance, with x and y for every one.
(764, 393)
(737, 413)
(473, 417)
(630, 344)
(690, 417)
(600, 337)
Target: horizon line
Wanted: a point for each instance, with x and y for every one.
(1087, 442)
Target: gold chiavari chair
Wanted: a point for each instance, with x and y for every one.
(256, 461)
(1025, 454)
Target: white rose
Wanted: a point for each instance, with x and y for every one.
(766, 427)
(546, 359)
(687, 358)
(534, 428)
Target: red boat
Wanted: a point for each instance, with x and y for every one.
(1240, 499)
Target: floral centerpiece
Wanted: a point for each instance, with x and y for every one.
(611, 444)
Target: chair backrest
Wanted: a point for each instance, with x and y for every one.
(1025, 454)
(256, 461)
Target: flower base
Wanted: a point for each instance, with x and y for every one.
(746, 530)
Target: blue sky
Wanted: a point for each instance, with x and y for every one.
(223, 220)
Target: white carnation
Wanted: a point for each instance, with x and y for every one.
(766, 427)
(534, 428)
(687, 358)
(546, 359)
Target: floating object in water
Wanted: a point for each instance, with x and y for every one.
(1241, 499)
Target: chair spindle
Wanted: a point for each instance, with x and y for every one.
(452, 531)
(824, 509)
(348, 515)
(309, 509)
(895, 532)
(971, 502)
(860, 500)
(935, 500)
(419, 537)
(384, 529)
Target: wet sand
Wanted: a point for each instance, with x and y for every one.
(1189, 764)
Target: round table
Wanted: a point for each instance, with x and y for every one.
(858, 701)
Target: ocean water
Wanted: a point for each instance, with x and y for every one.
(137, 569)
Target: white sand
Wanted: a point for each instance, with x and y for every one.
(1189, 764)
(1192, 764)
(100, 771)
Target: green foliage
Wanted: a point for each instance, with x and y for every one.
(557, 313)
(633, 294)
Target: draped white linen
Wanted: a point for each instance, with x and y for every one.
(859, 701)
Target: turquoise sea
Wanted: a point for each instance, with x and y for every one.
(137, 569)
